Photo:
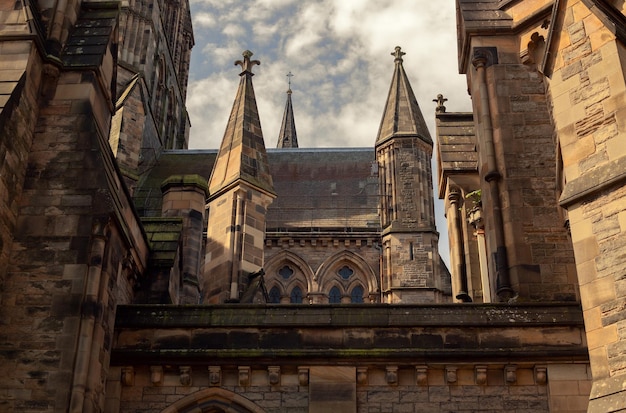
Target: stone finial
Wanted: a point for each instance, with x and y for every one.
(289, 76)
(398, 53)
(440, 101)
(246, 64)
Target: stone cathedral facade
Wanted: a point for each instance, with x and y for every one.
(139, 276)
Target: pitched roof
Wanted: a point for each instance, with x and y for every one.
(402, 116)
(324, 190)
(317, 189)
(456, 140)
(288, 138)
(242, 155)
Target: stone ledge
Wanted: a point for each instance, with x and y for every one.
(330, 334)
(353, 315)
(330, 357)
(594, 181)
(607, 395)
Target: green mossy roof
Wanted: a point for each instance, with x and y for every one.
(163, 237)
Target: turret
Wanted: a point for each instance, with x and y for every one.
(411, 265)
(240, 190)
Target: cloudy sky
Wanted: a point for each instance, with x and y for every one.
(339, 52)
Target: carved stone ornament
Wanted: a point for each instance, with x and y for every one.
(244, 376)
(541, 375)
(421, 375)
(451, 374)
(392, 375)
(273, 375)
(156, 375)
(185, 375)
(215, 376)
(361, 375)
(303, 376)
(481, 374)
(128, 376)
(510, 374)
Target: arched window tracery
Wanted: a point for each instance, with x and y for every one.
(274, 295)
(356, 295)
(296, 297)
(334, 295)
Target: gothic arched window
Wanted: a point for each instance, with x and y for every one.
(274, 296)
(334, 296)
(356, 295)
(296, 295)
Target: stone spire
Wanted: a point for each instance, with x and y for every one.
(241, 190)
(402, 115)
(288, 138)
(242, 154)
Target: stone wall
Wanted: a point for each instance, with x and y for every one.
(17, 122)
(313, 256)
(588, 88)
(281, 389)
(539, 251)
(365, 359)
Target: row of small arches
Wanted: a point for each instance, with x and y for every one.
(335, 295)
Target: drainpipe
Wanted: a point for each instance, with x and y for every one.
(460, 272)
(91, 309)
(504, 289)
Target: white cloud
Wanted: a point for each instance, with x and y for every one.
(233, 30)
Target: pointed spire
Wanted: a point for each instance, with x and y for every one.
(402, 116)
(288, 138)
(242, 154)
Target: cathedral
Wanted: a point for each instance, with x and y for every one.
(137, 275)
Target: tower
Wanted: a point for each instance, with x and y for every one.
(410, 263)
(240, 190)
